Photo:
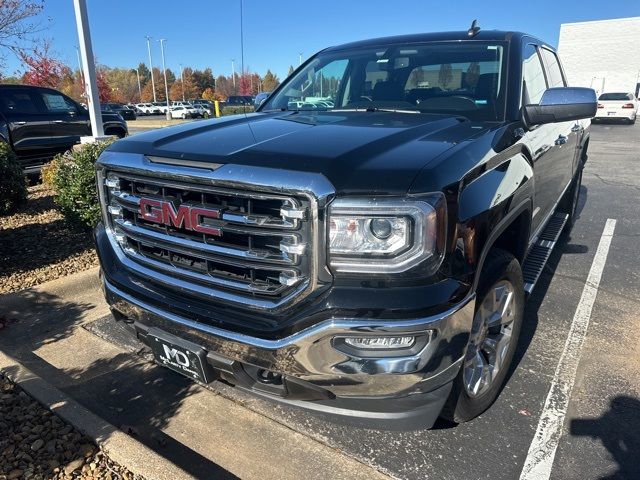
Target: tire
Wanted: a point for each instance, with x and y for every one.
(569, 203)
(501, 275)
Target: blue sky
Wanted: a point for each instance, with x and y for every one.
(206, 33)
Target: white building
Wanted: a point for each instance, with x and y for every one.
(603, 55)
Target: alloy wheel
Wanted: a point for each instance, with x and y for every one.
(490, 338)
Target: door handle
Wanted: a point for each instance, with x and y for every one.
(20, 123)
(57, 121)
(561, 140)
(576, 128)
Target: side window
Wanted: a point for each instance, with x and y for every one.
(554, 72)
(20, 102)
(533, 80)
(57, 103)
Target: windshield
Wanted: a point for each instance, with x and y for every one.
(457, 78)
(615, 96)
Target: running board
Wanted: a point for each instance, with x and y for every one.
(541, 251)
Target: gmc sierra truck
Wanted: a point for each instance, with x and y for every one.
(364, 243)
(39, 123)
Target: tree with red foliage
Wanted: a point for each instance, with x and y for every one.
(244, 85)
(42, 69)
(104, 90)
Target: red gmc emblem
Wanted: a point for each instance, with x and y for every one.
(187, 217)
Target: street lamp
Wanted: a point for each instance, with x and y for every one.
(233, 74)
(153, 83)
(182, 80)
(300, 58)
(139, 86)
(164, 70)
(91, 85)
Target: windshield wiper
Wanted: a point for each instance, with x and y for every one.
(375, 109)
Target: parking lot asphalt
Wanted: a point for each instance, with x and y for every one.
(601, 433)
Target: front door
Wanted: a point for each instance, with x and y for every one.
(69, 122)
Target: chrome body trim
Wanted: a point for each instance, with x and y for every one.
(309, 354)
(254, 182)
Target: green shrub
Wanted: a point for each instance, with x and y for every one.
(49, 170)
(75, 184)
(13, 184)
(233, 110)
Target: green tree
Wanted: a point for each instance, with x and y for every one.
(445, 75)
(291, 70)
(145, 74)
(472, 75)
(270, 82)
(203, 79)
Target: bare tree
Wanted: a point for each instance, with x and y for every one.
(18, 25)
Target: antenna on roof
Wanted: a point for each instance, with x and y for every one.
(473, 31)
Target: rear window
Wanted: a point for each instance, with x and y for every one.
(616, 96)
(20, 101)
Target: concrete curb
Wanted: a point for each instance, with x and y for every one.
(120, 447)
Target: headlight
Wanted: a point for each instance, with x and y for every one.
(386, 235)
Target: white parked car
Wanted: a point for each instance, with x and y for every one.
(203, 111)
(161, 106)
(147, 108)
(181, 111)
(617, 106)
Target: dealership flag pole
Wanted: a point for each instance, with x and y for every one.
(91, 85)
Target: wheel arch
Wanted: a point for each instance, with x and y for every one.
(510, 234)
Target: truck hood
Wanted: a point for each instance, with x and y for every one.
(358, 152)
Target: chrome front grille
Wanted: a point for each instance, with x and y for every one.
(249, 243)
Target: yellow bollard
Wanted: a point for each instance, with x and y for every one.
(217, 105)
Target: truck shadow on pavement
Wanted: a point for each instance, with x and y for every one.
(46, 335)
(619, 431)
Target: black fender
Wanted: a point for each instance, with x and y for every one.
(490, 204)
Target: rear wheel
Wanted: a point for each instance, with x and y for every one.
(494, 336)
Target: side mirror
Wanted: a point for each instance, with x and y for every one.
(561, 105)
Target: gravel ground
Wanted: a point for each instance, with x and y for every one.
(36, 245)
(36, 444)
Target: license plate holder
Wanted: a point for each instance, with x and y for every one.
(182, 356)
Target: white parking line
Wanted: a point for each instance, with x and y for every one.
(542, 451)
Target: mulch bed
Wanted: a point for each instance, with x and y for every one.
(36, 444)
(37, 246)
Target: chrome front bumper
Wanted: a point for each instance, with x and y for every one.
(310, 356)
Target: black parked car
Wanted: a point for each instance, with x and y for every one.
(124, 111)
(41, 122)
(364, 244)
(238, 100)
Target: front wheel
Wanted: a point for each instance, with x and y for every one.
(494, 336)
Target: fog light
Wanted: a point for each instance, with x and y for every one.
(379, 343)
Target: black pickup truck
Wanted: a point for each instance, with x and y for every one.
(363, 245)
(41, 122)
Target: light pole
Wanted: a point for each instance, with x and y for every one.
(164, 70)
(139, 86)
(80, 67)
(233, 74)
(182, 80)
(91, 85)
(300, 58)
(153, 83)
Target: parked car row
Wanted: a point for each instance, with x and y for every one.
(192, 108)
